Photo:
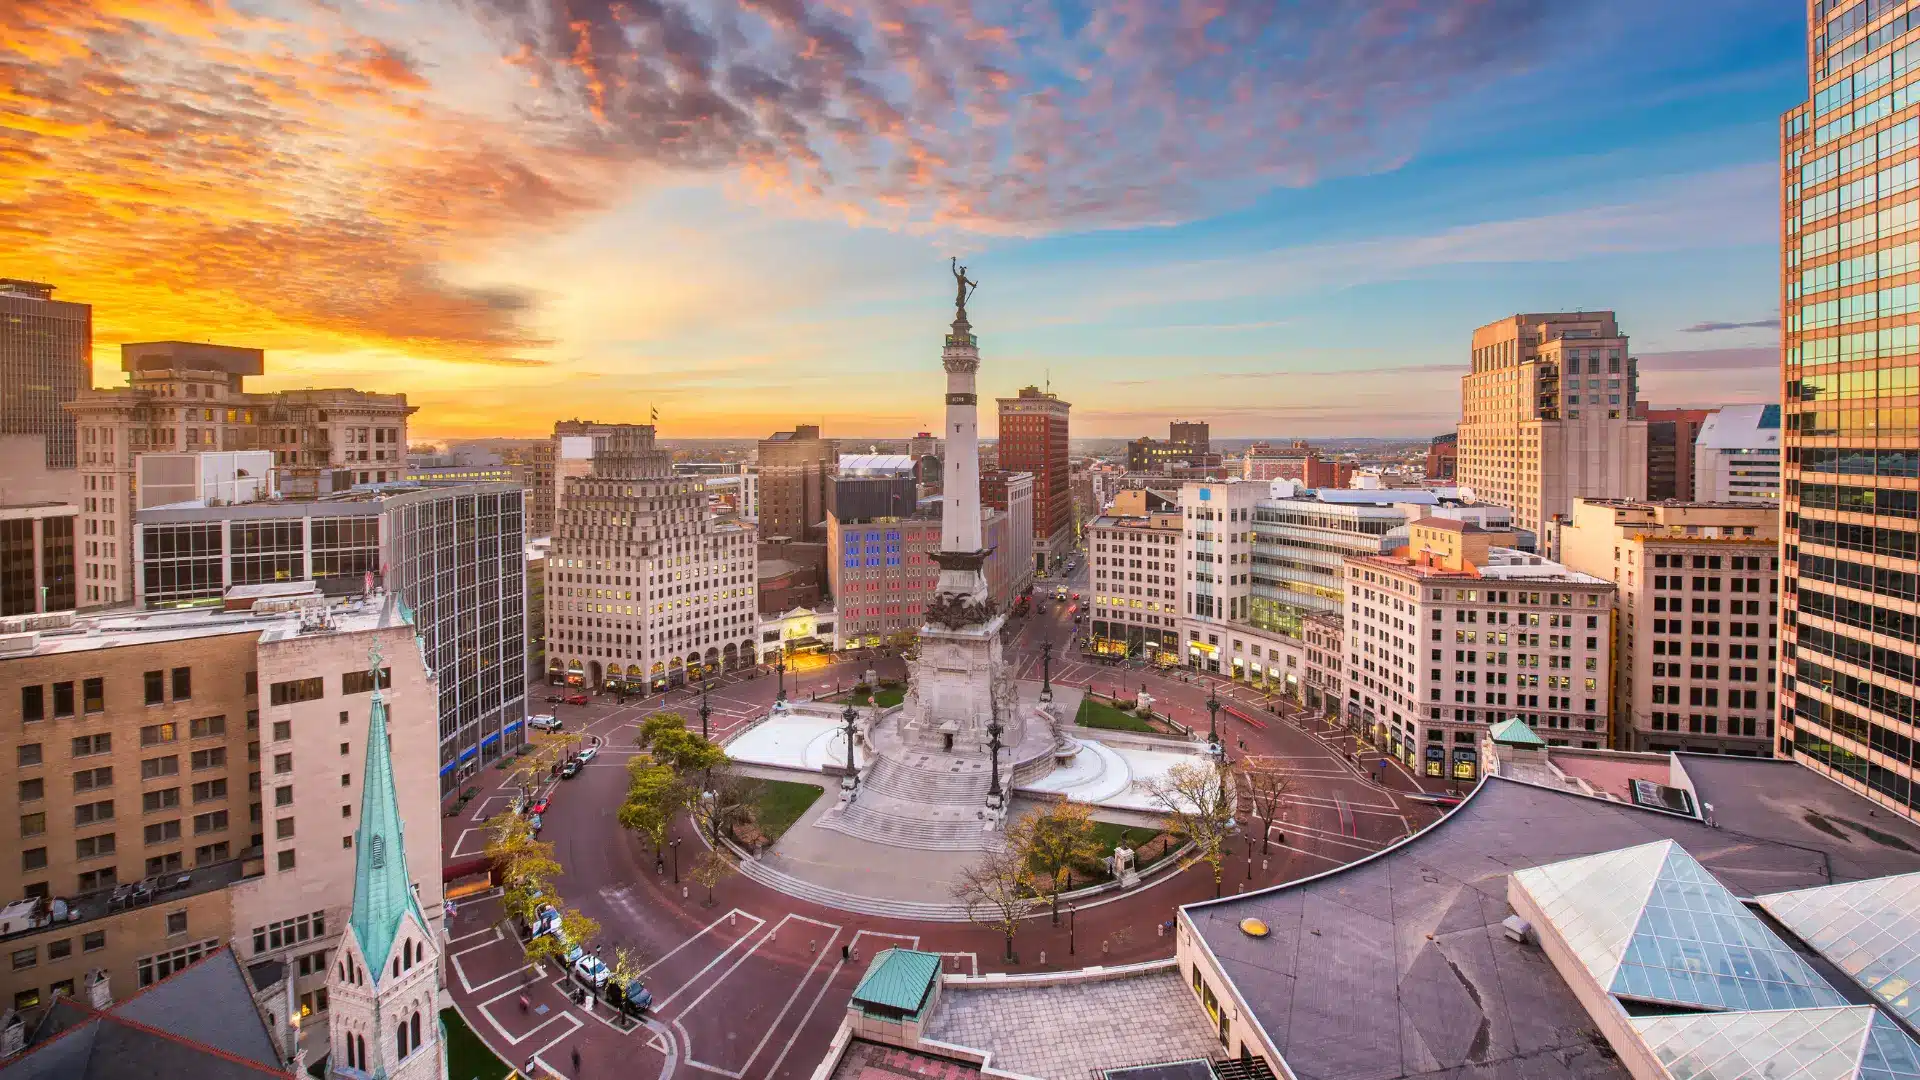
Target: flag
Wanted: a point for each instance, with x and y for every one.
(656, 414)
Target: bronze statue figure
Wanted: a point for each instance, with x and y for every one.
(963, 286)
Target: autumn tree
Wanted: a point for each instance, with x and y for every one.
(994, 892)
(733, 797)
(1199, 803)
(625, 970)
(539, 762)
(526, 865)
(654, 726)
(576, 931)
(1050, 843)
(654, 796)
(711, 869)
(1267, 782)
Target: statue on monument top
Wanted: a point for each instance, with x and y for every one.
(963, 286)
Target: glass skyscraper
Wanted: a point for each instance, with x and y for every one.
(1850, 300)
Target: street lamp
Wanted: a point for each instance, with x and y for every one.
(780, 672)
(1046, 671)
(1213, 716)
(673, 845)
(853, 777)
(705, 709)
(1071, 909)
(994, 731)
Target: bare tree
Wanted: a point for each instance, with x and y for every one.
(995, 893)
(711, 869)
(1198, 800)
(1268, 781)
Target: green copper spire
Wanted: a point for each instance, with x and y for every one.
(382, 895)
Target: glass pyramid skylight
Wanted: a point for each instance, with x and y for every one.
(1796, 1044)
(1869, 929)
(1651, 923)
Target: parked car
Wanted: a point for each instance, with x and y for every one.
(588, 969)
(555, 699)
(571, 769)
(634, 998)
(540, 806)
(535, 824)
(576, 699)
(544, 722)
(546, 920)
(586, 754)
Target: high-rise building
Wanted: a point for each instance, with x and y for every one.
(646, 587)
(455, 556)
(1133, 583)
(178, 777)
(1299, 462)
(1697, 606)
(1547, 415)
(1672, 435)
(36, 558)
(796, 468)
(1850, 557)
(1443, 456)
(1193, 434)
(46, 360)
(1013, 493)
(536, 470)
(188, 397)
(1459, 631)
(1737, 457)
(1033, 439)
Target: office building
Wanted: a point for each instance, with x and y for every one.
(1443, 456)
(1672, 435)
(1188, 443)
(1033, 439)
(792, 575)
(1458, 631)
(1548, 415)
(37, 568)
(46, 360)
(1849, 554)
(796, 469)
(188, 397)
(1299, 462)
(1133, 583)
(882, 572)
(455, 556)
(535, 461)
(1323, 635)
(1697, 607)
(646, 587)
(186, 780)
(1737, 458)
(1012, 493)
(924, 445)
(1216, 566)
(867, 486)
(538, 548)
(1196, 435)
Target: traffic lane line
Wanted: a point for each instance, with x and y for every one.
(680, 969)
(721, 1037)
(817, 1026)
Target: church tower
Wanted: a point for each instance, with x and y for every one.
(384, 986)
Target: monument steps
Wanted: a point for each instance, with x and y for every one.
(887, 824)
(783, 882)
(913, 784)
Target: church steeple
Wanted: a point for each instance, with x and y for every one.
(382, 891)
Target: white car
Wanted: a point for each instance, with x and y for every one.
(588, 969)
(587, 754)
(544, 722)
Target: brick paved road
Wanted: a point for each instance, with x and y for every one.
(754, 985)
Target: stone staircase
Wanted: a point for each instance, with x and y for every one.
(924, 800)
(781, 881)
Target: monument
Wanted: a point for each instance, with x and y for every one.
(957, 684)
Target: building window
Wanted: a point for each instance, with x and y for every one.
(161, 832)
(93, 847)
(94, 695)
(215, 758)
(33, 703)
(152, 969)
(25, 958)
(297, 690)
(33, 824)
(152, 768)
(155, 734)
(93, 941)
(283, 795)
(88, 745)
(28, 753)
(62, 699)
(182, 684)
(207, 727)
(33, 859)
(156, 687)
(176, 923)
(286, 859)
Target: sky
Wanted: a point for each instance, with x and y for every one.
(1282, 217)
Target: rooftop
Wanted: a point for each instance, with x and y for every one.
(1397, 966)
(108, 630)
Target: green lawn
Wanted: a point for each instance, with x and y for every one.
(1109, 836)
(467, 1057)
(1096, 714)
(781, 804)
(887, 698)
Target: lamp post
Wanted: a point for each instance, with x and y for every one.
(1070, 911)
(780, 672)
(674, 846)
(848, 717)
(1046, 671)
(1213, 716)
(994, 731)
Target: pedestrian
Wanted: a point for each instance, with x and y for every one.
(523, 1008)
(529, 1069)
(846, 952)
(576, 1061)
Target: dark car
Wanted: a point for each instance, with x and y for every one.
(632, 999)
(576, 699)
(555, 699)
(570, 769)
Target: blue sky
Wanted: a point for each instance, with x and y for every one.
(1283, 217)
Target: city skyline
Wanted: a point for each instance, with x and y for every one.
(507, 218)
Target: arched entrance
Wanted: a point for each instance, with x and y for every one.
(676, 674)
(556, 671)
(713, 663)
(576, 674)
(658, 676)
(730, 657)
(593, 671)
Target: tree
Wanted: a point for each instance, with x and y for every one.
(686, 752)
(539, 763)
(625, 971)
(576, 931)
(653, 726)
(711, 869)
(527, 866)
(1050, 843)
(1199, 803)
(654, 796)
(734, 797)
(1268, 782)
(995, 893)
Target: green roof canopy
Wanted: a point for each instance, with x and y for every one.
(898, 979)
(1514, 732)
